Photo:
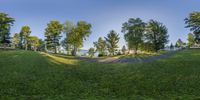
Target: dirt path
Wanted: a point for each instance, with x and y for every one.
(128, 60)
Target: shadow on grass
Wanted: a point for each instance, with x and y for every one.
(60, 59)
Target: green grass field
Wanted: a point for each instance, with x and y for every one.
(26, 75)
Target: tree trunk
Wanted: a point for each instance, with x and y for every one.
(55, 49)
(74, 51)
(135, 51)
(26, 46)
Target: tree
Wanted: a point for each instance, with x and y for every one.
(76, 35)
(112, 39)
(5, 24)
(52, 34)
(100, 46)
(24, 35)
(34, 42)
(171, 46)
(67, 46)
(133, 32)
(157, 34)
(16, 40)
(124, 49)
(41, 46)
(191, 39)
(91, 52)
(179, 43)
(193, 22)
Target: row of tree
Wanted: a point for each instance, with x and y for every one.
(75, 35)
(139, 35)
(151, 36)
(106, 45)
(24, 40)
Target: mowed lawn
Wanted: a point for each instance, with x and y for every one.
(26, 75)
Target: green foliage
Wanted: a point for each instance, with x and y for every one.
(179, 43)
(101, 46)
(193, 22)
(26, 75)
(52, 34)
(75, 35)
(156, 34)
(91, 52)
(112, 39)
(171, 46)
(133, 33)
(16, 40)
(24, 36)
(5, 24)
(124, 49)
(191, 39)
(34, 42)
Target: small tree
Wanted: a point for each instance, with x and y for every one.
(16, 40)
(112, 39)
(171, 46)
(124, 49)
(179, 43)
(24, 35)
(100, 46)
(91, 52)
(191, 39)
(34, 42)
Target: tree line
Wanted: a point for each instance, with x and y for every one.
(148, 36)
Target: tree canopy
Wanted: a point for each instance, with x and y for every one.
(24, 36)
(5, 24)
(157, 34)
(112, 39)
(191, 39)
(193, 22)
(75, 35)
(100, 46)
(52, 34)
(133, 32)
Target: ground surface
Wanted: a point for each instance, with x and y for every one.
(128, 58)
(39, 76)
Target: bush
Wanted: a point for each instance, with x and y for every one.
(100, 55)
(119, 53)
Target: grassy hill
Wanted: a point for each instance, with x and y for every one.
(26, 75)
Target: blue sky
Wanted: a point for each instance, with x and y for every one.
(104, 15)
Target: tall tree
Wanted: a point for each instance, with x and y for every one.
(100, 46)
(91, 52)
(24, 34)
(52, 34)
(112, 39)
(5, 24)
(157, 34)
(16, 40)
(191, 39)
(68, 27)
(77, 35)
(133, 32)
(193, 22)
